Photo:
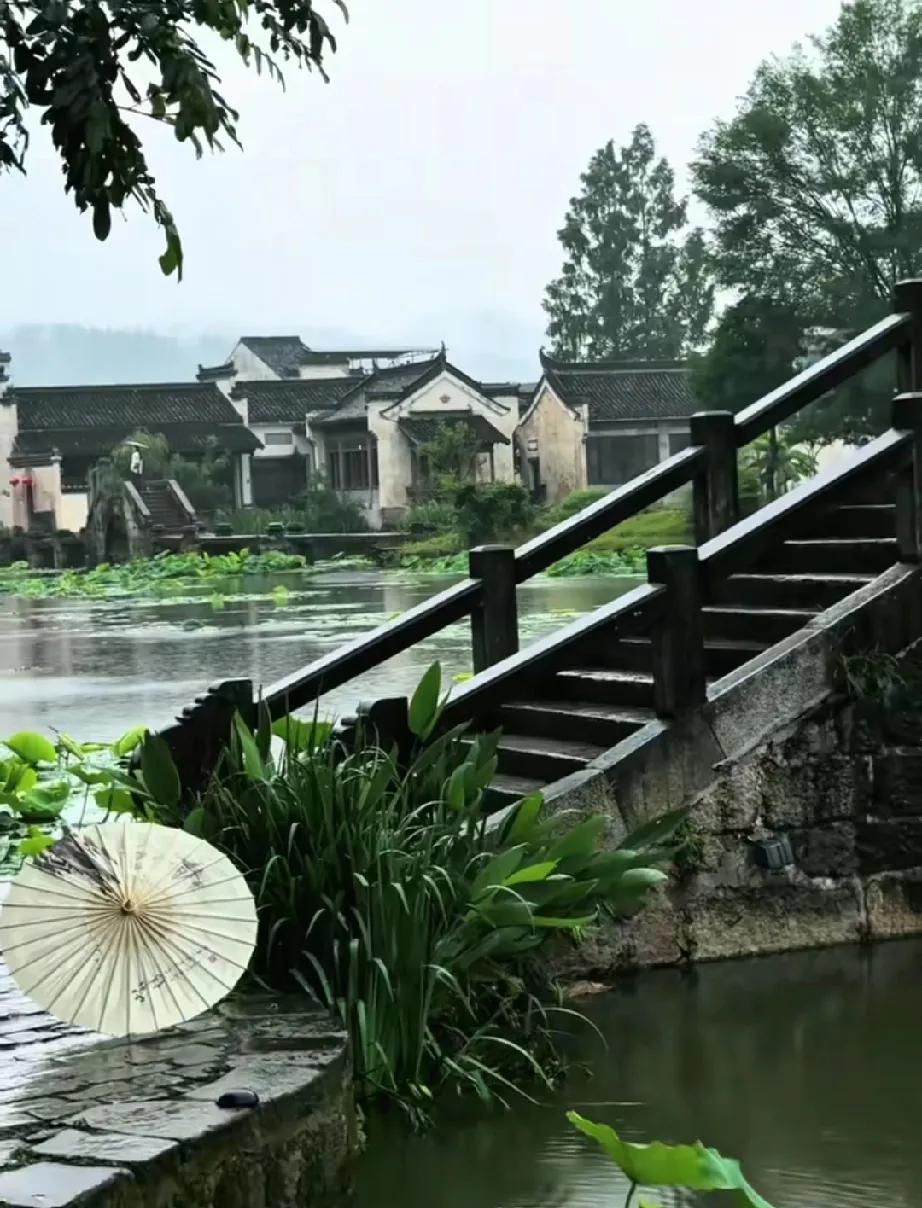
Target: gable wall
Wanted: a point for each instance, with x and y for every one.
(556, 436)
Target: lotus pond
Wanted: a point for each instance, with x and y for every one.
(801, 1065)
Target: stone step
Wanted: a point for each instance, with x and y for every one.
(811, 591)
(506, 790)
(860, 555)
(545, 758)
(765, 625)
(854, 520)
(578, 720)
(605, 685)
(722, 655)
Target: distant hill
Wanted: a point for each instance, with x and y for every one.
(487, 345)
(66, 354)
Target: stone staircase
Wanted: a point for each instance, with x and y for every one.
(168, 509)
(605, 693)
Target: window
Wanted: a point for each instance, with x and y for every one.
(613, 460)
(279, 438)
(352, 464)
(678, 441)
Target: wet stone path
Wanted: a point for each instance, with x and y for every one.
(92, 1121)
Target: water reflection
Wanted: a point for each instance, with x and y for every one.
(803, 1065)
(92, 668)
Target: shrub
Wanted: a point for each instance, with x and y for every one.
(384, 892)
(430, 516)
(574, 502)
(495, 511)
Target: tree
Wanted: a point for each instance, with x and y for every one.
(815, 185)
(89, 69)
(754, 349)
(636, 282)
(451, 454)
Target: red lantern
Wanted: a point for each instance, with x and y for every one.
(14, 482)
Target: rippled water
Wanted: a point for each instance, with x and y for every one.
(95, 668)
(806, 1066)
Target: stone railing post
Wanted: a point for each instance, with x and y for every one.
(199, 737)
(716, 492)
(679, 672)
(906, 416)
(494, 623)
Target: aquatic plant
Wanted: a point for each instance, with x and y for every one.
(145, 576)
(597, 562)
(386, 893)
(689, 1167)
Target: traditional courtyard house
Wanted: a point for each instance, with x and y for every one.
(599, 423)
(371, 445)
(278, 384)
(60, 432)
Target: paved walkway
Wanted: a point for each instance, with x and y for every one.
(81, 1115)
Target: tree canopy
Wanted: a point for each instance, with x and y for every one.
(815, 185)
(89, 69)
(635, 280)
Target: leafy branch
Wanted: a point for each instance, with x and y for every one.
(85, 68)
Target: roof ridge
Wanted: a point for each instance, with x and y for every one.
(121, 386)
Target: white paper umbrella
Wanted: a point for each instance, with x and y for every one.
(128, 927)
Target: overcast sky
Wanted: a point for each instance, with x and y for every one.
(414, 198)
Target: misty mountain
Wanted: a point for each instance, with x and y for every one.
(66, 354)
(486, 345)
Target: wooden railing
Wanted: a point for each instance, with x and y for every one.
(671, 600)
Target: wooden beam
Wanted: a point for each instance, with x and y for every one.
(716, 491)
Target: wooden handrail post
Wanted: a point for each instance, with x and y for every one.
(906, 416)
(679, 672)
(907, 299)
(385, 722)
(716, 492)
(494, 622)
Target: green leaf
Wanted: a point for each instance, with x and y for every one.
(300, 734)
(34, 843)
(524, 819)
(424, 705)
(496, 871)
(194, 823)
(692, 1167)
(455, 794)
(43, 803)
(33, 748)
(252, 760)
(116, 801)
(263, 729)
(161, 779)
(582, 840)
(656, 831)
(533, 872)
(102, 221)
(129, 741)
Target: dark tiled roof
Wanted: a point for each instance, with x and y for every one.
(144, 406)
(92, 419)
(4, 358)
(214, 373)
(391, 383)
(283, 354)
(97, 442)
(421, 429)
(287, 402)
(623, 390)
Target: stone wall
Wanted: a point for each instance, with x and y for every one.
(778, 752)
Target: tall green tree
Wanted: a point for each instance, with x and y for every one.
(754, 348)
(92, 71)
(815, 185)
(636, 280)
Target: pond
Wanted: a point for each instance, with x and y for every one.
(804, 1066)
(95, 667)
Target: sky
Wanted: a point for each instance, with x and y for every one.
(413, 199)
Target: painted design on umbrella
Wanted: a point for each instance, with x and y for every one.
(128, 927)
